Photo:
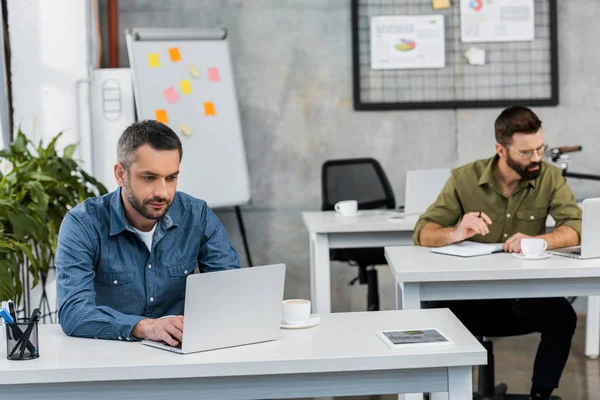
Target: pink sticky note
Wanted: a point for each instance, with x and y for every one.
(171, 95)
(213, 74)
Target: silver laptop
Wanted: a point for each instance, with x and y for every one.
(230, 308)
(590, 233)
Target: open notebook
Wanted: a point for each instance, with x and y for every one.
(469, 249)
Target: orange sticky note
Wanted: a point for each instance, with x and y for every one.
(186, 87)
(209, 108)
(174, 54)
(153, 60)
(161, 116)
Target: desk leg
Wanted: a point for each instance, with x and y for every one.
(592, 331)
(408, 297)
(460, 385)
(320, 273)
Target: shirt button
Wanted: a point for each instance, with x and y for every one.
(507, 215)
(505, 235)
(151, 299)
(116, 282)
(531, 217)
(185, 272)
(149, 265)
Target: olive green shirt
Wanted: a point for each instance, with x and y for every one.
(473, 188)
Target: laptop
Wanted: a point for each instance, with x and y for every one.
(590, 233)
(422, 188)
(230, 308)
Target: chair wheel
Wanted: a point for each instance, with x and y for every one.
(500, 389)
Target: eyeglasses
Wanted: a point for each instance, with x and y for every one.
(527, 154)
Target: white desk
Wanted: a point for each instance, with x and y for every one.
(422, 275)
(341, 356)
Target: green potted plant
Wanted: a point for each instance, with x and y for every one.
(37, 188)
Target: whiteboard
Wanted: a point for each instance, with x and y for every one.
(183, 78)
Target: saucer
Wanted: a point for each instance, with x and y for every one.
(312, 321)
(522, 256)
(356, 214)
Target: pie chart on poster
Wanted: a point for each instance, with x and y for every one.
(405, 45)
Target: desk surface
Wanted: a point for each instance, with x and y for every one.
(341, 342)
(419, 264)
(365, 221)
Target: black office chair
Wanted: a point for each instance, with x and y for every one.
(487, 389)
(360, 179)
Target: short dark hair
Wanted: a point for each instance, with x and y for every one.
(515, 119)
(158, 135)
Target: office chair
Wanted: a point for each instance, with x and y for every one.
(360, 179)
(486, 387)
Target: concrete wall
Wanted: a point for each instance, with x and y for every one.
(292, 62)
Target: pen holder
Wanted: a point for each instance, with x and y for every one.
(22, 340)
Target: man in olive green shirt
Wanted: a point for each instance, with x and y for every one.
(502, 200)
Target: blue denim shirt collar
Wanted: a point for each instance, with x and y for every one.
(118, 222)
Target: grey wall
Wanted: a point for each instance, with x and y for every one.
(292, 62)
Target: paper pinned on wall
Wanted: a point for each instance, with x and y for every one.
(213, 74)
(475, 56)
(186, 87)
(153, 60)
(209, 108)
(171, 95)
(497, 21)
(161, 116)
(186, 130)
(194, 73)
(174, 54)
(439, 4)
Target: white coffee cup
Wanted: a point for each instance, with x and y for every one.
(295, 311)
(346, 207)
(532, 247)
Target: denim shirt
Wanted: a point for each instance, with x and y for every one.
(107, 279)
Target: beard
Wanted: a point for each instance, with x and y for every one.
(525, 171)
(143, 207)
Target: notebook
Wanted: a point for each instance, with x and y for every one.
(469, 249)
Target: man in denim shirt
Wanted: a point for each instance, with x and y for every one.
(123, 258)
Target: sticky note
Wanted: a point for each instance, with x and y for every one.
(209, 108)
(161, 116)
(438, 4)
(174, 54)
(153, 60)
(213, 74)
(171, 95)
(186, 87)
(475, 56)
(186, 130)
(194, 73)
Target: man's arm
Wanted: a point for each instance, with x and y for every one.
(216, 251)
(78, 313)
(437, 226)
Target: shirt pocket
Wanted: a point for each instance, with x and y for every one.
(531, 221)
(178, 274)
(115, 279)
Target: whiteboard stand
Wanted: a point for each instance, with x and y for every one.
(183, 78)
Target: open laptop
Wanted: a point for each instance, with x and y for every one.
(590, 233)
(230, 308)
(422, 188)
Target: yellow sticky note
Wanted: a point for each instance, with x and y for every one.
(174, 54)
(438, 4)
(161, 116)
(186, 130)
(194, 73)
(153, 60)
(186, 87)
(209, 108)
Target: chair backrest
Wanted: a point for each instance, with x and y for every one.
(423, 187)
(360, 179)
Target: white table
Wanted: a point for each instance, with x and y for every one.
(341, 356)
(422, 275)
